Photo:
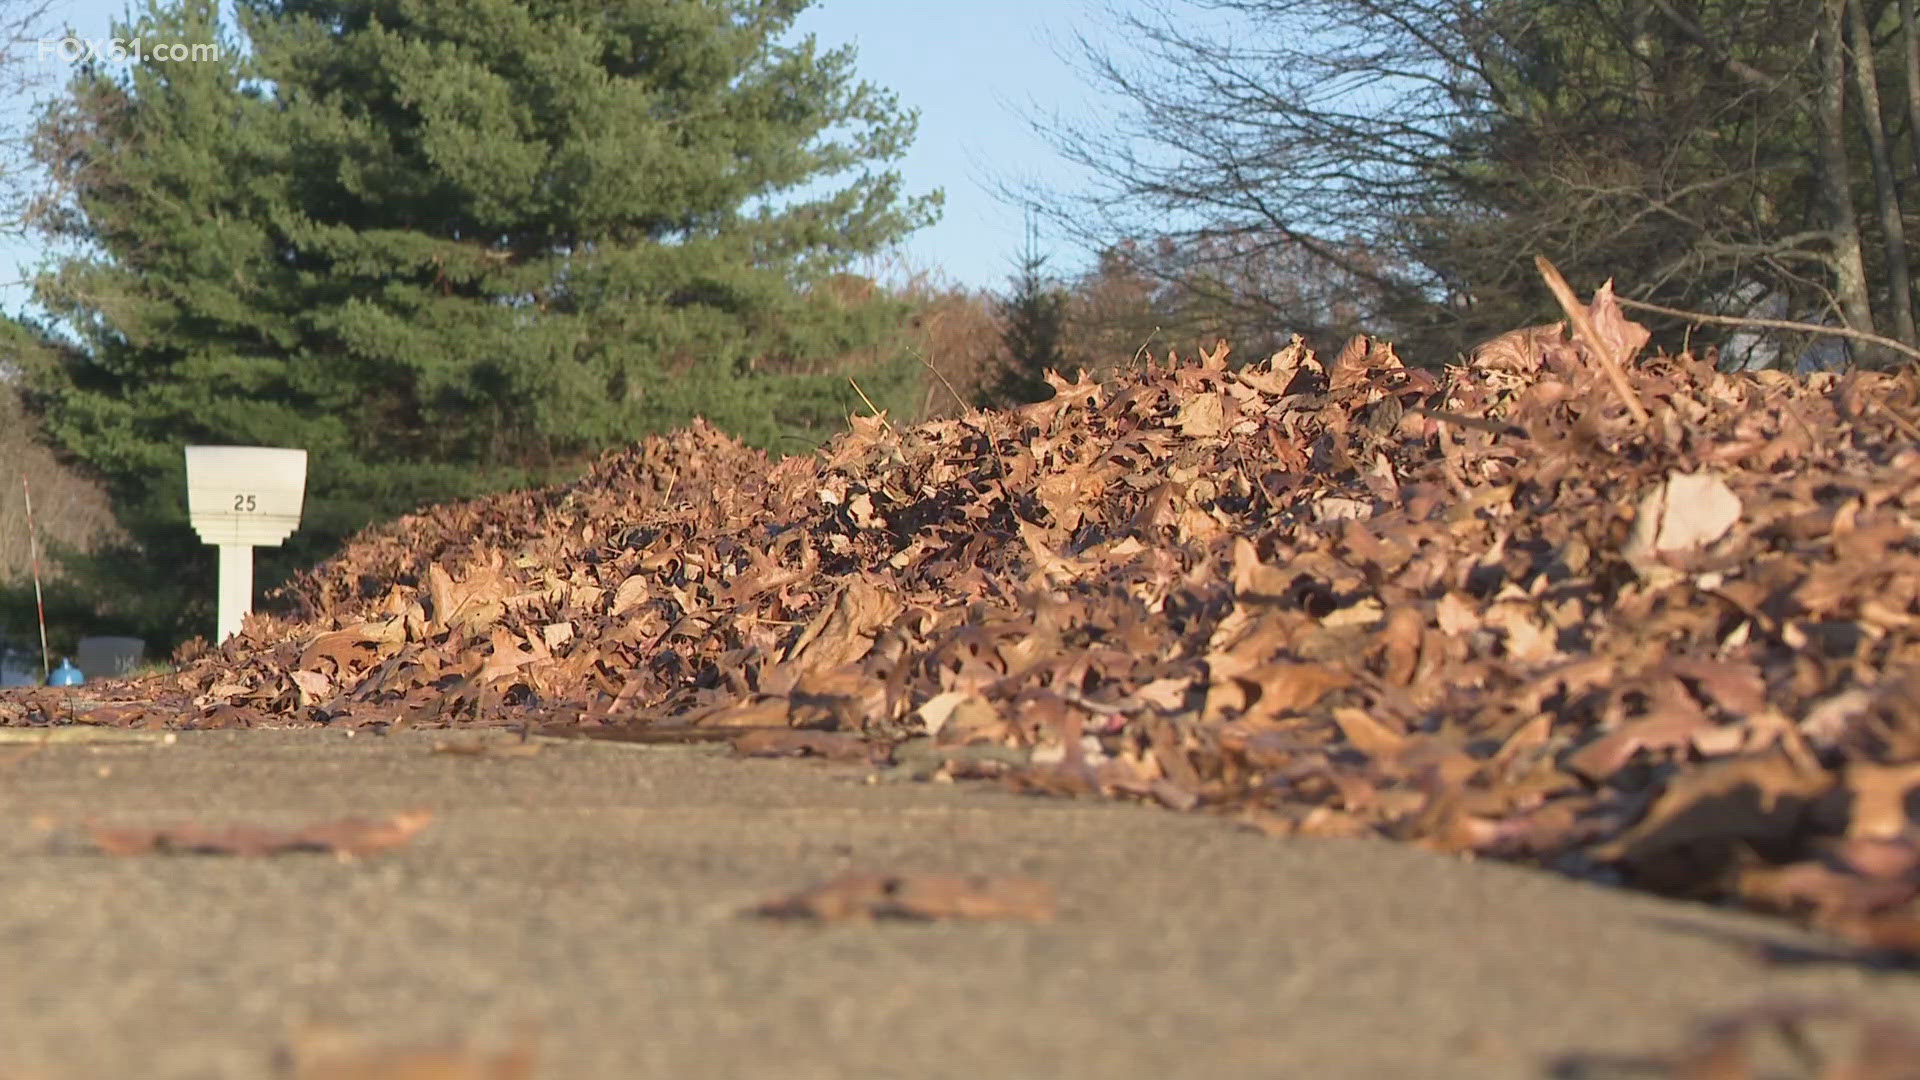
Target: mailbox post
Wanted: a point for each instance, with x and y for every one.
(240, 498)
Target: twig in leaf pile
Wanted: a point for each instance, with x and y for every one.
(1142, 350)
(1583, 328)
(942, 376)
(1905, 425)
(871, 408)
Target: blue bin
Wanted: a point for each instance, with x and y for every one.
(66, 674)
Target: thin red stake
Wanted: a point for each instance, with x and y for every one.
(33, 555)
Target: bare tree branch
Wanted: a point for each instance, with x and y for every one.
(1774, 324)
(24, 69)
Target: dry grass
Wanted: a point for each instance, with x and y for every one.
(68, 509)
(952, 330)
(958, 335)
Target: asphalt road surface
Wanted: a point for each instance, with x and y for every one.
(579, 914)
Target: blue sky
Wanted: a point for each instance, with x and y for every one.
(971, 68)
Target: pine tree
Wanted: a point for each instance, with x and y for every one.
(1035, 314)
(454, 245)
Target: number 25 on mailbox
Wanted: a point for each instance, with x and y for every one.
(240, 498)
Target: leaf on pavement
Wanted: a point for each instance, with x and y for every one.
(795, 742)
(488, 748)
(348, 838)
(328, 1052)
(859, 896)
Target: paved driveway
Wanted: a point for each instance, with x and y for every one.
(594, 893)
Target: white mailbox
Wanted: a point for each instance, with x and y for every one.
(242, 497)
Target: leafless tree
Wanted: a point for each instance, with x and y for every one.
(1860, 57)
(1418, 153)
(1244, 145)
(1835, 169)
(27, 66)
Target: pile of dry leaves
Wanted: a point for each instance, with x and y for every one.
(1624, 617)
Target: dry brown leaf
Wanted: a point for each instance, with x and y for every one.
(488, 748)
(863, 897)
(1884, 800)
(1686, 512)
(629, 594)
(1736, 687)
(1674, 721)
(1292, 687)
(1368, 735)
(791, 742)
(1204, 416)
(1703, 816)
(328, 1052)
(1824, 891)
(349, 838)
